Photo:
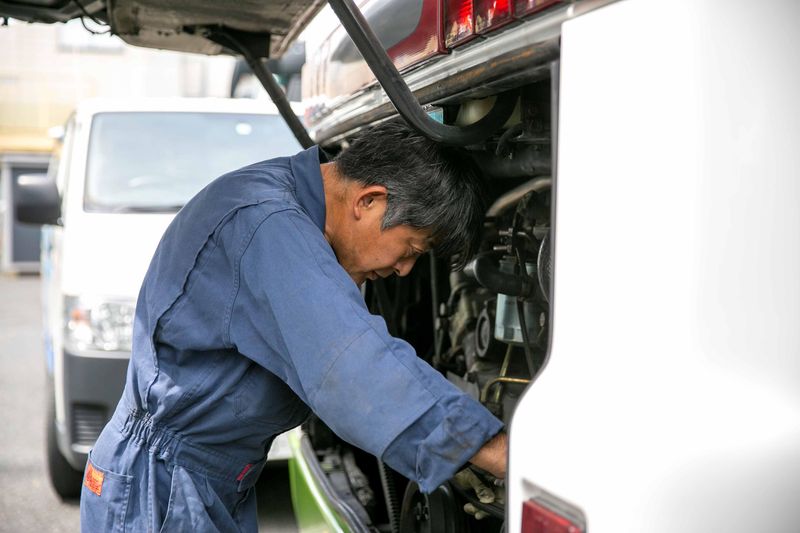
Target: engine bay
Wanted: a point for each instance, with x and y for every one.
(486, 329)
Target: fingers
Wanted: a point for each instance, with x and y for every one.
(462, 479)
(484, 493)
(466, 479)
(474, 511)
(500, 492)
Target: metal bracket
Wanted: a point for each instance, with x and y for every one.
(249, 49)
(401, 96)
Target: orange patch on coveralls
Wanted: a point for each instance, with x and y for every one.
(93, 479)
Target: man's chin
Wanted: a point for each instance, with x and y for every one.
(361, 277)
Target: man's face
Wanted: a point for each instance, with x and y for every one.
(367, 252)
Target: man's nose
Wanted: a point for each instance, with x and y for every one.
(404, 266)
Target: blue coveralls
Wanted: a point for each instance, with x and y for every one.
(245, 320)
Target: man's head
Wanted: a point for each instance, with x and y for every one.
(393, 195)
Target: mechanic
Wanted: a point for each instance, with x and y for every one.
(251, 315)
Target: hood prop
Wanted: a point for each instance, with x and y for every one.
(401, 96)
(249, 46)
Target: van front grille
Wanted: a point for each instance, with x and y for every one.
(87, 423)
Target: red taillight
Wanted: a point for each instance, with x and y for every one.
(491, 14)
(424, 42)
(445, 24)
(539, 519)
(526, 7)
(459, 24)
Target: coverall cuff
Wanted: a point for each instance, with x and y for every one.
(442, 440)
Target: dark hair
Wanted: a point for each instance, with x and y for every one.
(429, 185)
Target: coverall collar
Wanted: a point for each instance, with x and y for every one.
(308, 183)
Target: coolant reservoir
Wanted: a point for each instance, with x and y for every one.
(507, 327)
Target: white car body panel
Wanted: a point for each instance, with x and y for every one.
(104, 256)
(96, 257)
(671, 400)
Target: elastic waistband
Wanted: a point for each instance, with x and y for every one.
(139, 427)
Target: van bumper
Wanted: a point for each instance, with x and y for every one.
(93, 385)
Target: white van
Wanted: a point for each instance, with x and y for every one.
(642, 162)
(125, 169)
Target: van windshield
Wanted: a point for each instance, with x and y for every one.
(156, 161)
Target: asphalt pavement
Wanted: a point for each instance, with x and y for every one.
(27, 501)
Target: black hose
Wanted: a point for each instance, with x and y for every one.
(516, 129)
(489, 275)
(525, 341)
(401, 96)
(525, 162)
(522, 323)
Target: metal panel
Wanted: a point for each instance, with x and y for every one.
(180, 24)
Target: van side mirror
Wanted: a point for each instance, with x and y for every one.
(36, 200)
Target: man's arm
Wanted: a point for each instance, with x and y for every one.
(298, 314)
(493, 456)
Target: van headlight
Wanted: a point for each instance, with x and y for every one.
(98, 324)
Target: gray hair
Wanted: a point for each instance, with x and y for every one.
(429, 185)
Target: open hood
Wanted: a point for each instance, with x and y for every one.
(182, 25)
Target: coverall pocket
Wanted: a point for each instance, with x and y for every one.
(194, 507)
(104, 498)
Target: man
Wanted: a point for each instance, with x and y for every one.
(250, 315)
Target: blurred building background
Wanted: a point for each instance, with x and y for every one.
(45, 69)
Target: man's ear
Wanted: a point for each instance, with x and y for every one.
(369, 200)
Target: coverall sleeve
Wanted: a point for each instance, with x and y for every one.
(298, 314)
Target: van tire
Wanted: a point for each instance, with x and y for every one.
(65, 480)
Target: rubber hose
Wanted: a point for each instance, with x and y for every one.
(489, 275)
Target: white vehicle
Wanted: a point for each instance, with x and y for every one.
(634, 314)
(651, 179)
(125, 169)
(666, 395)
(671, 397)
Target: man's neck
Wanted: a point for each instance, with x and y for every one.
(335, 196)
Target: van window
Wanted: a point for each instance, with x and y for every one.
(156, 161)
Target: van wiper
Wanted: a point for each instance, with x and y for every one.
(145, 208)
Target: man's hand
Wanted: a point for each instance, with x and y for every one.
(493, 457)
(467, 480)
